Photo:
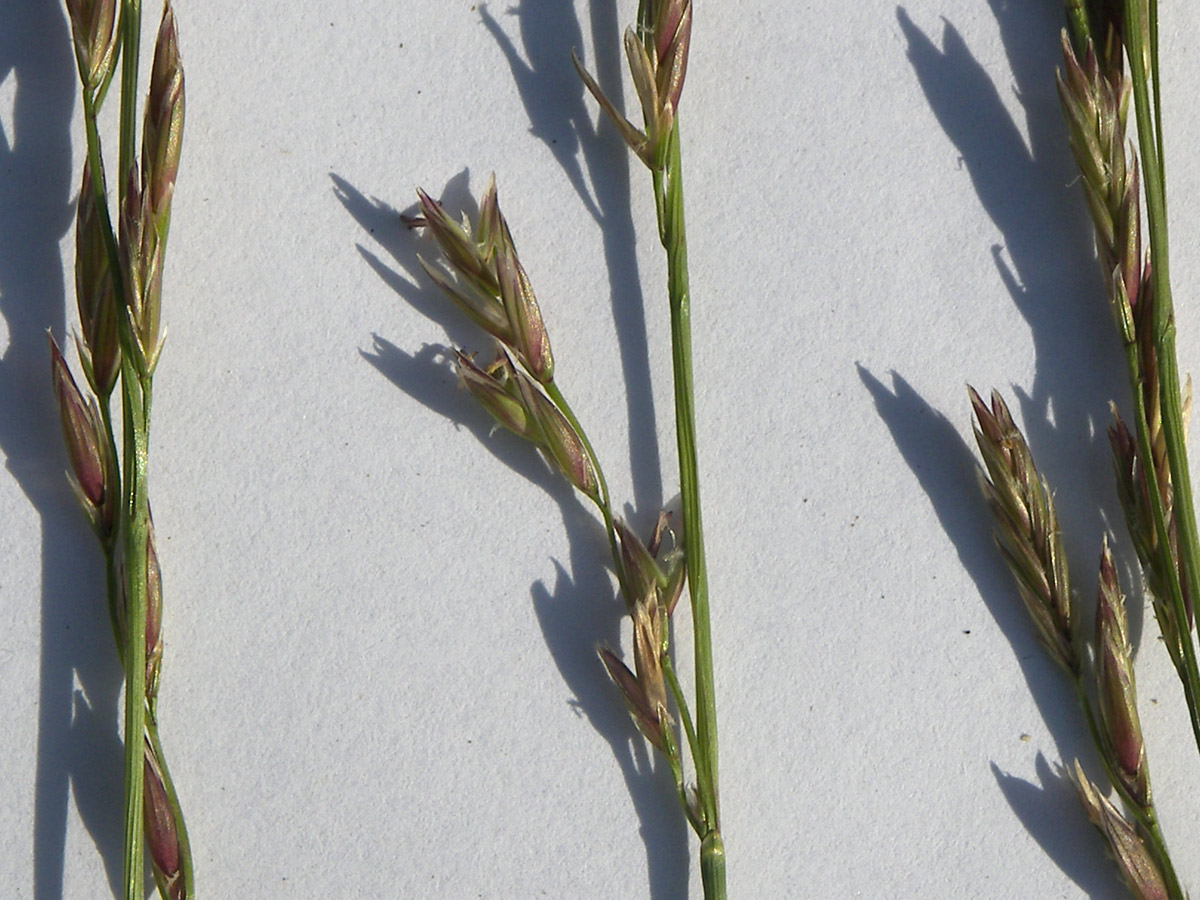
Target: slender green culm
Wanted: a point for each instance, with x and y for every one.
(131, 33)
(136, 428)
(658, 54)
(668, 189)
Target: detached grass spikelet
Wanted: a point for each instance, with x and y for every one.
(657, 52)
(96, 36)
(1027, 530)
(489, 283)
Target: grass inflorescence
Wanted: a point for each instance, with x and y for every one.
(1110, 69)
(118, 280)
(481, 274)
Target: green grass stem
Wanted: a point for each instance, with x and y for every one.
(131, 25)
(668, 194)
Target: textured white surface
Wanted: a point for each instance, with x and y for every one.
(378, 677)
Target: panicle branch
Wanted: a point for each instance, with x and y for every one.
(1028, 537)
(486, 281)
(481, 274)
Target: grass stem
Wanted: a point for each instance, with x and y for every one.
(135, 393)
(668, 193)
(135, 521)
(131, 25)
(604, 504)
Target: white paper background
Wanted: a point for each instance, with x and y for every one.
(379, 677)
